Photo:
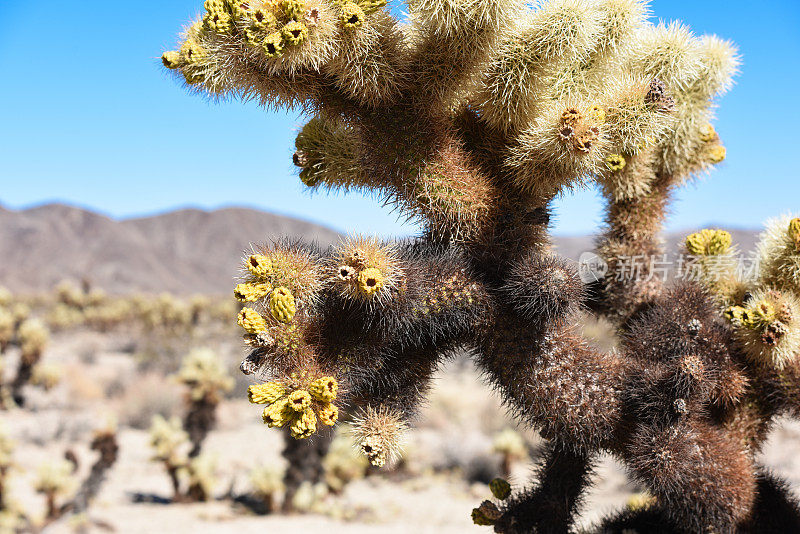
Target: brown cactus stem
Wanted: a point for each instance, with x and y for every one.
(23, 376)
(201, 417)
(551, 506)
(106, 445)
(304, 464)
(632, 236)
(172, 471)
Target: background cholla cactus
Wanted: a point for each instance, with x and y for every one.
(6, 461)
(104, 442)
(203, 372)
(511, 446)
(266, 483)
(343, 463)
(55, 479)
(32, 337)
(472, 117)
(192, 478)
(169, 442)
(201, 477)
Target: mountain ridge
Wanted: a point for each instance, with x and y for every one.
(184, 251)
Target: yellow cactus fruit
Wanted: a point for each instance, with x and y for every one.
(240, 8)
(734, 313)
(171, 59)
(304, 425)
(251, 292)
(794, 232)
(371, 5)
(597, 114)
(264, 20)
(616, 162)
(295, 32)
(282, 305)
(277, 414)
(299, 400)
(266, 393)
(707, 133)
(259, 265)
(748, 319)
(719, 243)
(218, 21)
(500, 488)
(251, 320)
(763, 312)
(214, 5)
(717, 154)
(370, 281)
(352, 16)
(328, 414)
(486, 514)
(709, 242)
(192, 53)
(292, 9)
(273, 44)
(324, 389)
(696, 243)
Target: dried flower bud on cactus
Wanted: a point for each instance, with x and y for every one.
(486, 514)
(379, 432)
(278, 413)
(259, 265)
(768, 328)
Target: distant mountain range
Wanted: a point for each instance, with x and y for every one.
(185, 251)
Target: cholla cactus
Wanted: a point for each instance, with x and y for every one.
(55, 479)
(204, 374)
(104, 441)
(47, 375)
(343, 463)
(32, 336)
(169, 442)
(472, 117)
(6, 328)
(201, 477)
(511, 447)
(266, 482)
(7, 446)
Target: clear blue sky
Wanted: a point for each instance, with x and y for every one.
(88, 117)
